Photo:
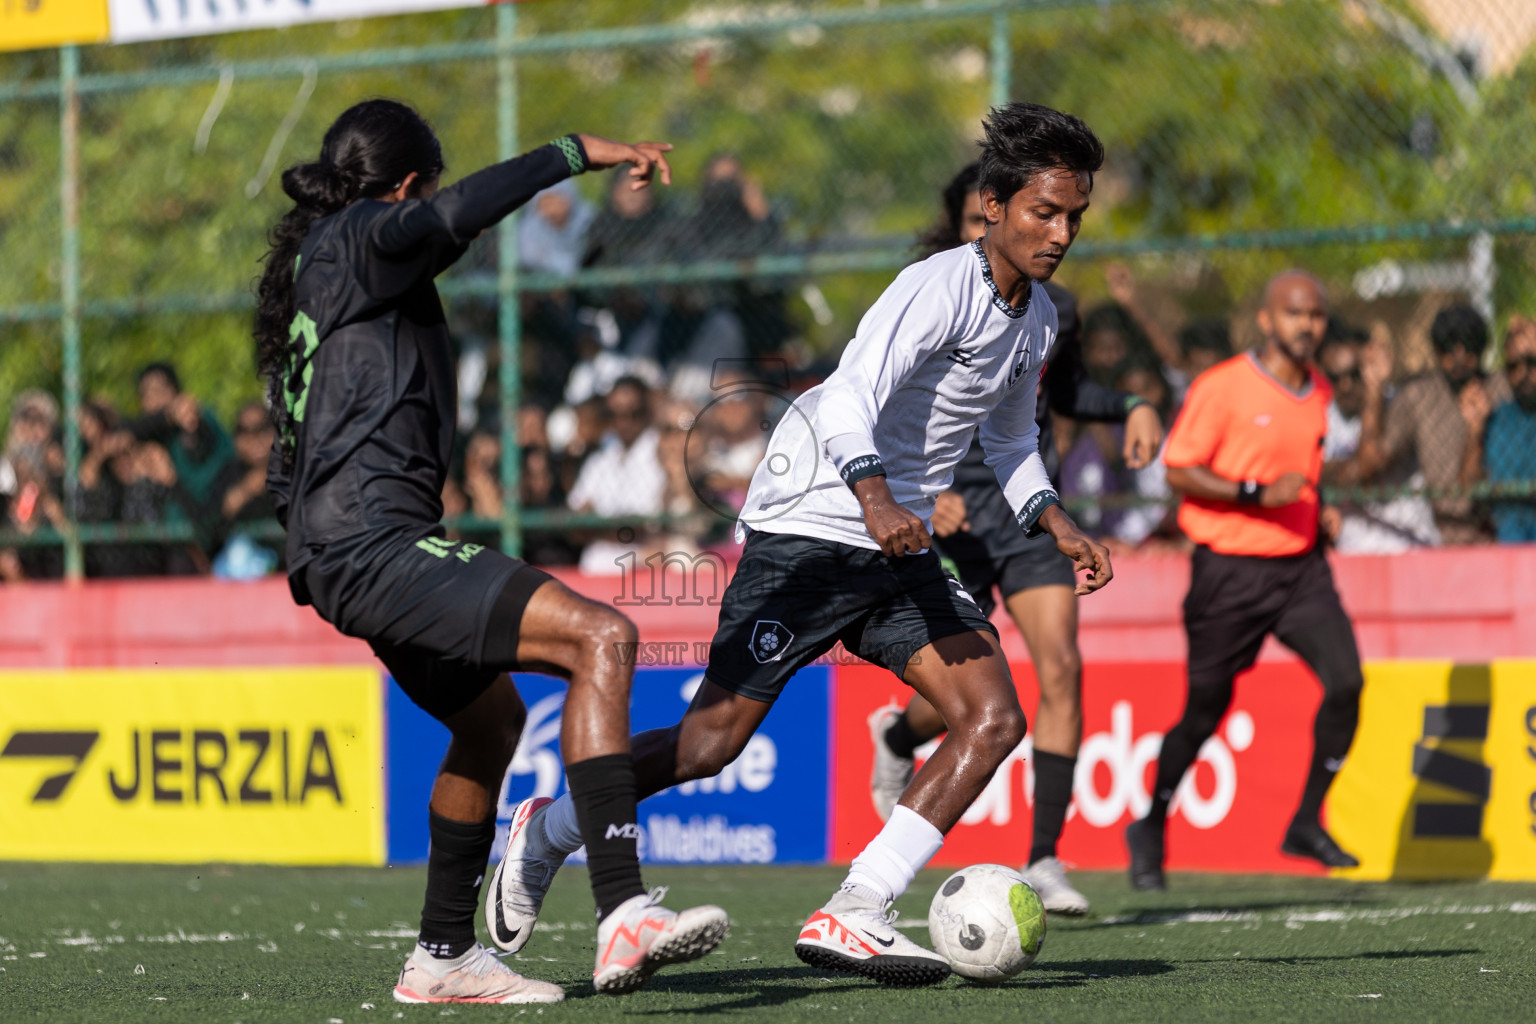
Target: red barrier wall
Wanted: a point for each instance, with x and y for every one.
(1466, 604)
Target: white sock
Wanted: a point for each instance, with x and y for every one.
(560, 827)
(895, 856)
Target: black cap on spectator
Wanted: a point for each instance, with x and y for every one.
(1459, 327)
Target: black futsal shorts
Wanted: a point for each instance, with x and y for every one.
(1234, 601)
(1033, 562)
(793, 598)
(442, 616)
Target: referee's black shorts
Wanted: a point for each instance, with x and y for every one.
(1234, 601)
(1024, 564)
(442, 616)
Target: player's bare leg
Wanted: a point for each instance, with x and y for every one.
(1047, 618)
(448, 965)
(581, 640)
(964, 677)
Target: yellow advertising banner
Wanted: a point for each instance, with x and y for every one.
(33, 24)
(260, 765)
(1441, 780)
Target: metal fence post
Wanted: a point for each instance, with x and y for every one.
(1002, 59)
(509, 312)
(69, 276)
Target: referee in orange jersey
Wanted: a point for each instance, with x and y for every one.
(1245, 454)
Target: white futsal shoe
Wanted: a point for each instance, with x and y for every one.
(476, 977)
(891, 774)
(517, 889)
(1048, 877)
(858, 937)
(641, 936)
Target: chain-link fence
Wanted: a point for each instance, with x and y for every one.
(1382, 144)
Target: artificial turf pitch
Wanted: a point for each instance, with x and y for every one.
(81, 943)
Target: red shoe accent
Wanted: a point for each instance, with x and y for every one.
(834, 929)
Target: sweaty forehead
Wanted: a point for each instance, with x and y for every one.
(1058, 185)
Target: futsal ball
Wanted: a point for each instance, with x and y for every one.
(987, 922)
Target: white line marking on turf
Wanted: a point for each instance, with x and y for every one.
(1294, 918)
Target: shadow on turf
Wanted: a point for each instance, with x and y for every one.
(776, 986)
(1132, 917)
(1390, 954)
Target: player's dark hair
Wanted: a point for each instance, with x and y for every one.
(165, 370)
(1023, 139)
(368, 152)
(946, 233)
(1459, 326)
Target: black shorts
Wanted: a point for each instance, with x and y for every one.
(427, 611)
(793, 598)
(1036, 563)
(1234, 601)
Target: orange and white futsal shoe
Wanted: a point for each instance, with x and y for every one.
(641, 936)
(856, 937)
(475, 977)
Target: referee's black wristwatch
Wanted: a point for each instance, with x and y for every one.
(1250, 492)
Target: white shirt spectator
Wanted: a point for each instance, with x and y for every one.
(619, 481)
(1378, 528)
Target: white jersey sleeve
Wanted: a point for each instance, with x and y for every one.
(901, 330)
(1010, 437)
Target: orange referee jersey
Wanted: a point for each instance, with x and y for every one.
(1243, 424)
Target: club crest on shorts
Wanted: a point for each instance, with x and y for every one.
(770, 640)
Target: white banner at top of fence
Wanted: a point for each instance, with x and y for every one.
(138, 20)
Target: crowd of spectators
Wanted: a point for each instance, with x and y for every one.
(650, 406)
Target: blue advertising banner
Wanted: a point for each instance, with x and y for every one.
(768, 806)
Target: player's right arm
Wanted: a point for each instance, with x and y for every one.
(906, 325)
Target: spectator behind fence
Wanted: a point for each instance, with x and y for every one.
(1433, 424)
(1511, 440)
(198, 447)
(29, 479)
(735, 220)
(1372, 527)
(552, 236)
(623, 477)
(1152, 516)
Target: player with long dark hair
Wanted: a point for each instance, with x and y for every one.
(973, 527)
(353, 343)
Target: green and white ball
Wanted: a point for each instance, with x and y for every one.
(987, 922)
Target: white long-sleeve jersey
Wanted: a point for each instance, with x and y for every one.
(940, 354)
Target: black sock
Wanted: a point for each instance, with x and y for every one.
(455, 868)
(1053, 794)
(1328, 647)
(900, 737)
(603, 789)
(1203, 708)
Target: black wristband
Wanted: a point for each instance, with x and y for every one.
(857, 469)
(1028, 517)
(1250, 492)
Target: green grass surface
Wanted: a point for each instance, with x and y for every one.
(222, 944)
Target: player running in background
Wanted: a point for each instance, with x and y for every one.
(1246, 453)
(973, 527)
(361, 385)
(838, 547)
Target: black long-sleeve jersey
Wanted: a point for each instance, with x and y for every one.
(374, 411)
(1068, 391)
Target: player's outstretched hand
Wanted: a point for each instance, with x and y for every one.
(949, 514)
(1087, 554)
(1143, 437)
(647, 158)
(897, 531)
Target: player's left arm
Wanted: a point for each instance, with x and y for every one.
(1071, 392)
(1011, 439)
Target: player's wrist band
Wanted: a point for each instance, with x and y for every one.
(1028, 517)
(574, 152)
(1250, 492)
(857, 469)
(1132, 401)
